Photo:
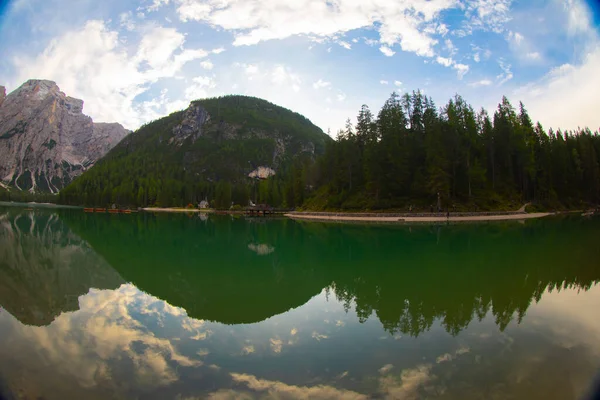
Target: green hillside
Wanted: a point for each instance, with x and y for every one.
(205, 152)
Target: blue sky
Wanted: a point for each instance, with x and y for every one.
(135, 61)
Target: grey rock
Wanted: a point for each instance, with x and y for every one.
(193, 121)
(2, 94)
(46, 140)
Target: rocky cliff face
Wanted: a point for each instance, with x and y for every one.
(46, 140)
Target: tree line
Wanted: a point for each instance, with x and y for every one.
(411, 151)
(406, 156)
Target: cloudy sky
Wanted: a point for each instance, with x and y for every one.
(135, 61)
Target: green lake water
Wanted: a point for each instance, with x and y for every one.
(173, 306)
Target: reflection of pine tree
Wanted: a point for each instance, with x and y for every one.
(409, 299)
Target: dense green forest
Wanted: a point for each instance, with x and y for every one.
(148, 169)
(403, 157)
(411, 151)
(13, 194)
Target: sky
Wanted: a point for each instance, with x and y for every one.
(135, 61)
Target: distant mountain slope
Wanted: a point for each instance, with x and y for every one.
(46, 140)
(210, 150)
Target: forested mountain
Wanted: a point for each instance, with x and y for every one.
(411, 150)
(217, 149)
(403, 156)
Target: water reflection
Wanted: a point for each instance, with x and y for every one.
(408, 277)
(334, 312)
(45, 267)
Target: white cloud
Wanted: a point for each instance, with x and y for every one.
(397, 83)
(127, 21)
(579, 18)
(387, 51)
(487, 15)
(251, 69)
(446, 62)
(506, 74)
(383, 82)
(574, 87)
(103, 73)
(208, 65)
(476, 57)
(345, 45)
(321, 84)
(534, 55)
(450, 47)
(252, 21)
(218, 50)
(461, 70)
(283, 76)
(199, 88)
(516, 37)
(483, 82)
(341, 96)
(156, 4)
(442, 29)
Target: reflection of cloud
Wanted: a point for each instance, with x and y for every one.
(319, 336)
(275, 389)
(342, 375)
(293, 331)
(201, 335)
(385, 369)
(276, 345)
(203, 352)
(572, 315)
(450, 357)
(340, 323)
(407, 387)
(85, 344)
(443, 358)
(249, 349)
(225, 394)
(261, 249)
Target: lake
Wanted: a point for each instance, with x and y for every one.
(98, 306)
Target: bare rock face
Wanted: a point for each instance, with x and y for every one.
(192, 125)
(2, 94)
(46, 140)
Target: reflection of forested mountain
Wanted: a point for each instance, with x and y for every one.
(44, 267)
(218, 271)
(407, 276)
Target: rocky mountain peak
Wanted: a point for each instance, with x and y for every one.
(46, 140)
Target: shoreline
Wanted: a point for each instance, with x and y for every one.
(344, 217)
(177, 210)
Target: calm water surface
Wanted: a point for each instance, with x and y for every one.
(194, 307)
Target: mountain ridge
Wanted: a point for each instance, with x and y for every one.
(216, 148)
(46, 140)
